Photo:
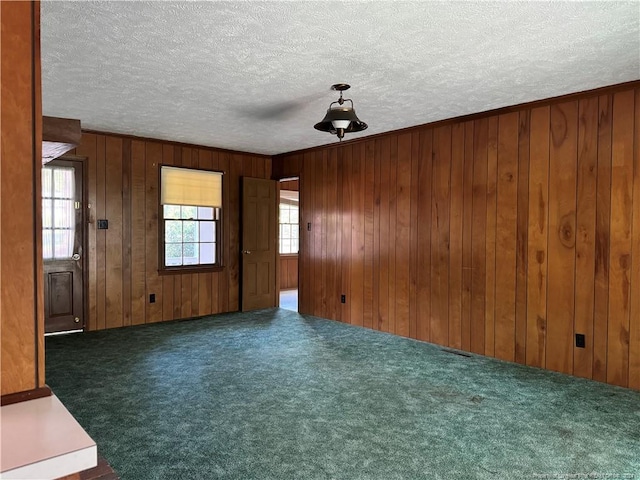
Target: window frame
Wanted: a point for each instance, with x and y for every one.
(219, 250)
(297, 225)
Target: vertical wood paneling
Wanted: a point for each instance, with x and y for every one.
(478, 235)
(467, 238)
(490, 245)
(425, 172)
(634, 319)
(585, 233)
(123, 188)
(126, 232)
(318, 240)
(603, 222)
(620, 234)
(227, 248)
(521, 243)
(440, 235)
(138, 233)
(383, 251)
(346, 209)
(456, 234)
(413, 248)
(368, 158)
(113, 210)
(403, 235)
(154, 283)
(538, 238)
(356, 180)
(562, 238)
(502, 244)
(101, 236)
(506, 236)
(393, 232)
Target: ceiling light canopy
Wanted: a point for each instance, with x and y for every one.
(340, 119)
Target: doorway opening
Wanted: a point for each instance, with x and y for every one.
(289, 242)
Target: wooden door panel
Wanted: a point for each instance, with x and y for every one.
(60, 293)
(63, 276)
(259, 242)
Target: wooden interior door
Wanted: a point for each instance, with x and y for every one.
(259, 243)
(62, 243)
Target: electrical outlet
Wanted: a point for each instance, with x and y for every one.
(580, 340)
(309, 227)
(152, 298)
(103, 224)
(343, 299)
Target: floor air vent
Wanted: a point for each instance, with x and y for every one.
(456, 352)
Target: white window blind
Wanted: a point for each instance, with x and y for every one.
(185, 186)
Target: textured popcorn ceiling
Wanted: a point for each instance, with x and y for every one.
(255, 76)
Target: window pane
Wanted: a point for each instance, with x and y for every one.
(62, 243)
(63, 182)
(205, 213)
(47, 213)
(46, 182)
(207, 251)
(63, 214)
(294, 231)
(172, 254)
(293, 215)
(189, 231)
(189, 212)
(206, 232)
(286, 246)
(286, 231)
(294, 246)
(47, 244)
(173, 231)
(171, 211)
(190, 254)
(284, 215)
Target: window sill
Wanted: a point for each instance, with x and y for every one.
(291, 255)
(187, 270)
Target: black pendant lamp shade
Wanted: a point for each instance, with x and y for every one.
(340, 119)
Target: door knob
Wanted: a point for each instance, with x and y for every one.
(76, 256)
(76, 320)
(246, 252)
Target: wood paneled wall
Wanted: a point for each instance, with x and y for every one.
(123, 260)
(22, 321)
(288, 272)
(504, 234)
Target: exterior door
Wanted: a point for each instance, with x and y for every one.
(62, 241)
(259, 240)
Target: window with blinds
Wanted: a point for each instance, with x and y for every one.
(191, 208)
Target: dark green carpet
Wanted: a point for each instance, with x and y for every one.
(276, 395)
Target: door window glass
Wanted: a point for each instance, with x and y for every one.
(58, 212)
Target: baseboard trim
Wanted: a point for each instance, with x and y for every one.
(11, 398)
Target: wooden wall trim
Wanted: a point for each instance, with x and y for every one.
(174, 143)
(609, 89)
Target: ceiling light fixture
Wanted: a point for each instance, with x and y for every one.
(341, 119)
